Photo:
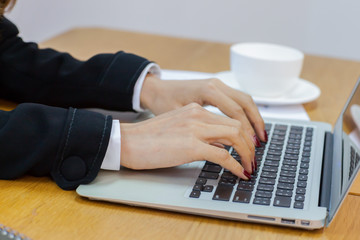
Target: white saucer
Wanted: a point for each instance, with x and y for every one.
(303, 92)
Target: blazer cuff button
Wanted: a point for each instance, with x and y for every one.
(73, 168)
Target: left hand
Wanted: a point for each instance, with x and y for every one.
(162, 96)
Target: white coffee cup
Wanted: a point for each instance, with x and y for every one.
(265, 70)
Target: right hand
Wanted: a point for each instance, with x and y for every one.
(184, 135)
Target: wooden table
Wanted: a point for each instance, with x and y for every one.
(41, 210)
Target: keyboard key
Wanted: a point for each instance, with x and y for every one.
(211, 163)
(282, 201)
(295, 136)
(275, 141)
(303, 177)
(245, 187)
(286, 186)
(280, 132)
(304, 165)
(303, 171)
(301, 184)
(287, 180)
(300, 191)
(208, 188)
(225, 181)
(268, 126)
(263, 194)
(265, 187)
(259, 151)
(276, 147)
(284, 193)
(223, 192)
(293, 146)
(285, 173)
(262, 201)
(290, 162)
(294, 141)
(268, 175)
(299, 198)
(278, 137)
(298, 128)
(273, 157)
(198, 187)
(305, 159)
(307, 149)
(271, 163)
(299, 205)
(280, 127)
(242, 196)
(309, 134)
(195, 194)
(209, 175)
(288, 168)
(292, 151)
(212, 168)
(306, 154)
(291, 156)
(270, 169)
(201, 181)
(258, 158)
(229, 175)
(269, 181)
(308, 139)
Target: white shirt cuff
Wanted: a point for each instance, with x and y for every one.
(112, 156)
(152, 68)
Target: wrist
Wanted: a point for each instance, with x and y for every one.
(149, 91)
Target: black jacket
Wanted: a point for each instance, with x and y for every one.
(58, 140)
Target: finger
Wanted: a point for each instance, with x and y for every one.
(229, 107)
(249, 107)
(224, 159)
(230, 136)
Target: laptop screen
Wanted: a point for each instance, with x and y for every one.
(346, 159)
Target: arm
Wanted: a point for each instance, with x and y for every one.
(46, 76)
(39, 140)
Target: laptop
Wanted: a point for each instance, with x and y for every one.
(304, 173)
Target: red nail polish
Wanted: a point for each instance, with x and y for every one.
(256, 166)
(266, 136)
(257, 141)
(248, 175)
(252, 167)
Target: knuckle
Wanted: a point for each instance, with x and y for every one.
(235, 132)
(223, 155)
(239, 110)
(194, 105)
(252, 148)
(195, 110)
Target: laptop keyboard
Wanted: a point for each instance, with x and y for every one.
(280, 180)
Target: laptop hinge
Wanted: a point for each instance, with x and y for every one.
(325, 183)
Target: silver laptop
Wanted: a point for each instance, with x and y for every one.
(305, 171)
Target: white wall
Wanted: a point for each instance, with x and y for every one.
(321, 27)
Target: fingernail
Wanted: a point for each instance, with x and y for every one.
(252, 167)
(256, 166)
(248, 175)
(257, 141)
(266, 136)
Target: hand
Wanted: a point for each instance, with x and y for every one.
(161, 96)
(185, 135)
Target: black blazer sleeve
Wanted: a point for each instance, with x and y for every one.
(59, 140)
